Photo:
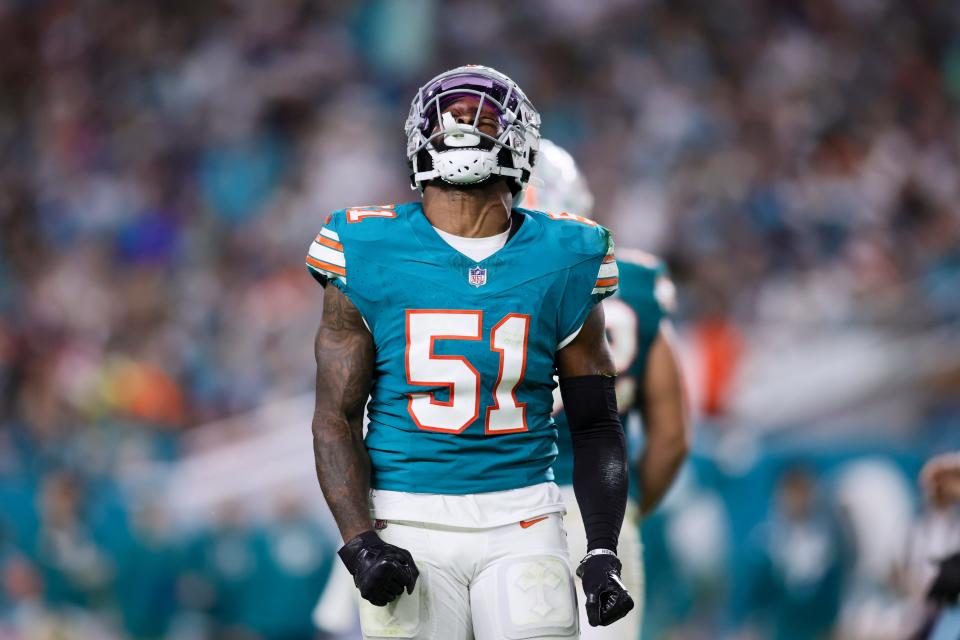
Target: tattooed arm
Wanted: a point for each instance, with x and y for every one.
(344, 350)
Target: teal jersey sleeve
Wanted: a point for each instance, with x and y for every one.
(326, 260)
(588, 282)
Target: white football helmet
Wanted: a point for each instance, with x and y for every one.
(557, 185)
(461, 154)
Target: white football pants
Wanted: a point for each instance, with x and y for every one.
(512, 581)
(630, 552)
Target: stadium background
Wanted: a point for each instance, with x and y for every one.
(165, 165)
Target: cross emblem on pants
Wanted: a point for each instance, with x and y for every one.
(538, 576)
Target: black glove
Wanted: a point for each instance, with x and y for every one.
(946, 587)
(607, 599)
(381, 571)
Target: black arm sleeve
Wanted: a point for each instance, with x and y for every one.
(599, 456)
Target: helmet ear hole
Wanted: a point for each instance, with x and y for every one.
(424, 161)
(505, 159)
(419, 163)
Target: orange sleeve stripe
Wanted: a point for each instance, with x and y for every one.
(326, 266)
(327, 242)
(607, 282)
(609, 258)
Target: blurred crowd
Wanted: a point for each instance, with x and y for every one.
(164, 165)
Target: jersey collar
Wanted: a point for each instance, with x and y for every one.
(523, 230)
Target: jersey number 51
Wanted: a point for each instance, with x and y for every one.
(425, 368)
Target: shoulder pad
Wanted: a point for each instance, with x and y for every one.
(350, 235)
(576, 234)
(364, 223)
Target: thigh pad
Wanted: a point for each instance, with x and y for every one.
(398, 619)
(536, 597)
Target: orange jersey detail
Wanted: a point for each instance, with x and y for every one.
(327, 242)
(326, 266)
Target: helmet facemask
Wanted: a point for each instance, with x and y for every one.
(461, 154)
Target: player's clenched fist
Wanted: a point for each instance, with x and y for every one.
(380, 570)
(607, 599)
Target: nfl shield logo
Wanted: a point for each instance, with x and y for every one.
(477, 276)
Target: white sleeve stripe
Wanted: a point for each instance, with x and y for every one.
(597, 290)
(333, 235)
(608, 270)
(570, 338)
(327, 254)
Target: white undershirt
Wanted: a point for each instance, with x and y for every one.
(476, 249)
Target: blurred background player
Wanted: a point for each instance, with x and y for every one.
(790, 588)
(933, 557)
(941, 478)
(649, 380)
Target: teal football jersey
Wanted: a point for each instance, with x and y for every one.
(465, 351)
(633, 319)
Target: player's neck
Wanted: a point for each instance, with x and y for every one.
(479, 212)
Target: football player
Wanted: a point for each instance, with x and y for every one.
(454, 314)
(648, 379)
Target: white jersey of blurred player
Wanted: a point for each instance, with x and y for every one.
(558, 186)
